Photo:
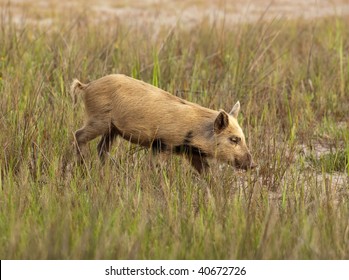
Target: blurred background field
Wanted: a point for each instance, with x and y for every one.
(286, 61)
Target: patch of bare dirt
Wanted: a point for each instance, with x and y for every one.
(170, 12)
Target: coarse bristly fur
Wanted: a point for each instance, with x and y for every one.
(118, 105)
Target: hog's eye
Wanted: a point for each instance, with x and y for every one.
(235, 139)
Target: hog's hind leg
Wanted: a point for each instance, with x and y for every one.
(106, 142)
(88, 132)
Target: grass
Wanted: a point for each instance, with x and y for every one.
(292, 79)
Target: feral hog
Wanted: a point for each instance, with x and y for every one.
(117, 105)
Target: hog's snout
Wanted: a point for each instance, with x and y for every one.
(245, 163)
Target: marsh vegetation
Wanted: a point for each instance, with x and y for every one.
(292, 80)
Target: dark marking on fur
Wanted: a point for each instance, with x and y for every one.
(188, 138)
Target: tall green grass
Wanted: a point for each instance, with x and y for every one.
(291, 78)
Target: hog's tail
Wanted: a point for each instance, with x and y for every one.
(76, 88)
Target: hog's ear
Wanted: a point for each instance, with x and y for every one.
(221, 122)
(235, 111)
